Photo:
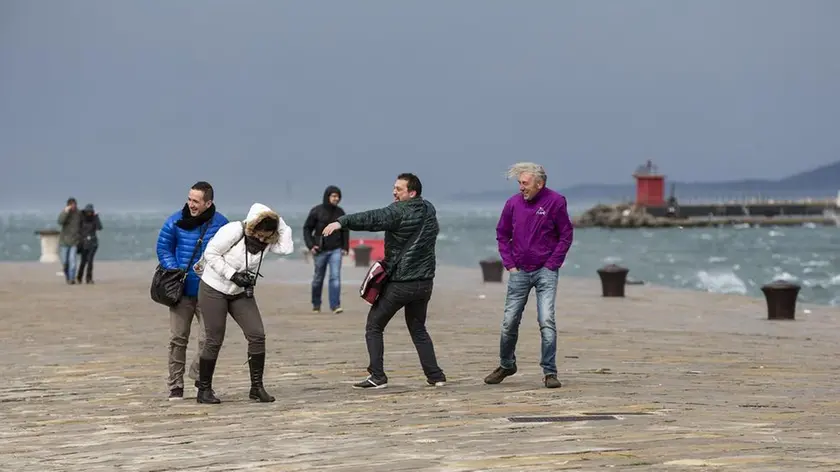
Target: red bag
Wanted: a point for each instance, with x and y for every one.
(373, 283)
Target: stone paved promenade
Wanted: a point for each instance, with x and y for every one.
(681, 381)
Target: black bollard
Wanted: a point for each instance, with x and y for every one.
(492, 270)
(613, 279)
(362, 255)
(781, 299)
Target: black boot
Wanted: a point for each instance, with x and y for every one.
(205, 394)
(256, 364)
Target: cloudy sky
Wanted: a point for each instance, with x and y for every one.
(129, 102)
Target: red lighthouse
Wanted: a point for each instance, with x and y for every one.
(650, 186)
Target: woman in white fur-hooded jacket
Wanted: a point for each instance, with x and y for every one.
(229, 271)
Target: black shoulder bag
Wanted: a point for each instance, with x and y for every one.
(168, 284)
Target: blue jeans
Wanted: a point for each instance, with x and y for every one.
(322, 260)
(518, 288)
(67, 254)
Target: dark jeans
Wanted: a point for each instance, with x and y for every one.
(414, 297)
(86, 257)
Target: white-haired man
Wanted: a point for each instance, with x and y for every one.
(534, 234)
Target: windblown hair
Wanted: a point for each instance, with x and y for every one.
(527, 168)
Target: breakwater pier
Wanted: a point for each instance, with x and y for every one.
(652, 210)
(756, 213)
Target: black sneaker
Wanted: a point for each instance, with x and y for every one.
(436, 383)
(176, 393)
(371, 383)
(551, 381)
(498, 375)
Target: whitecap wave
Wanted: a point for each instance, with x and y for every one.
(720, 282)
(822, 263)
(786, 276)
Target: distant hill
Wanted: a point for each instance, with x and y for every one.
(825, 177)
(820, 182)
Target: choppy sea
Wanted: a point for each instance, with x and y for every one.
(722, 260)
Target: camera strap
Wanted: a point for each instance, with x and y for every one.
(259, 264)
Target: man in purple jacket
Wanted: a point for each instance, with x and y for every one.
(534, 235)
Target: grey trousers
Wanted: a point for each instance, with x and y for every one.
(215, 307)
(180, 322)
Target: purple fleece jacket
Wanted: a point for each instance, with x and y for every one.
(536, 233)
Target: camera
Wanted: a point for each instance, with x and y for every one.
(249, 290)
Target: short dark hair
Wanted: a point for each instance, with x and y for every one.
(412, 182)
(71, 200)
(204, 187)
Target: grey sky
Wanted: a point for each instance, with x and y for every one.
(131, 102)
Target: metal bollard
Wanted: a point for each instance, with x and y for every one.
(492, 270)
(362, 255)
(613, 279)
(781, 299)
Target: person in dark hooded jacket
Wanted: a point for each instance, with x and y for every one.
(89, 243)
(326, 250)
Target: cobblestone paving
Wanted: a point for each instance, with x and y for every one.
(682, 381)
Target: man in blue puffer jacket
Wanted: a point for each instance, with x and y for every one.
(178, 239)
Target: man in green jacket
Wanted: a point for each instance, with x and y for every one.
(411, 268)
(70, 220)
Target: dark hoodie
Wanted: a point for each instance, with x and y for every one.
(90, 224)
(319, 217)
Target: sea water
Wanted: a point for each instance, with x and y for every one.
(722, 260)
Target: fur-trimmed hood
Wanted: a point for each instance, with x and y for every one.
(229, 252)
(256, 214)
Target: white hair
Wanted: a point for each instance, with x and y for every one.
(526, 168)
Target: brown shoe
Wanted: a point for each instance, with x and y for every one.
(551, 381)
(498, 375)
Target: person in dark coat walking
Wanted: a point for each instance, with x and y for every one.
(88, 243)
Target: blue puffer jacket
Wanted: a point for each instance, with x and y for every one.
(175, 246)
